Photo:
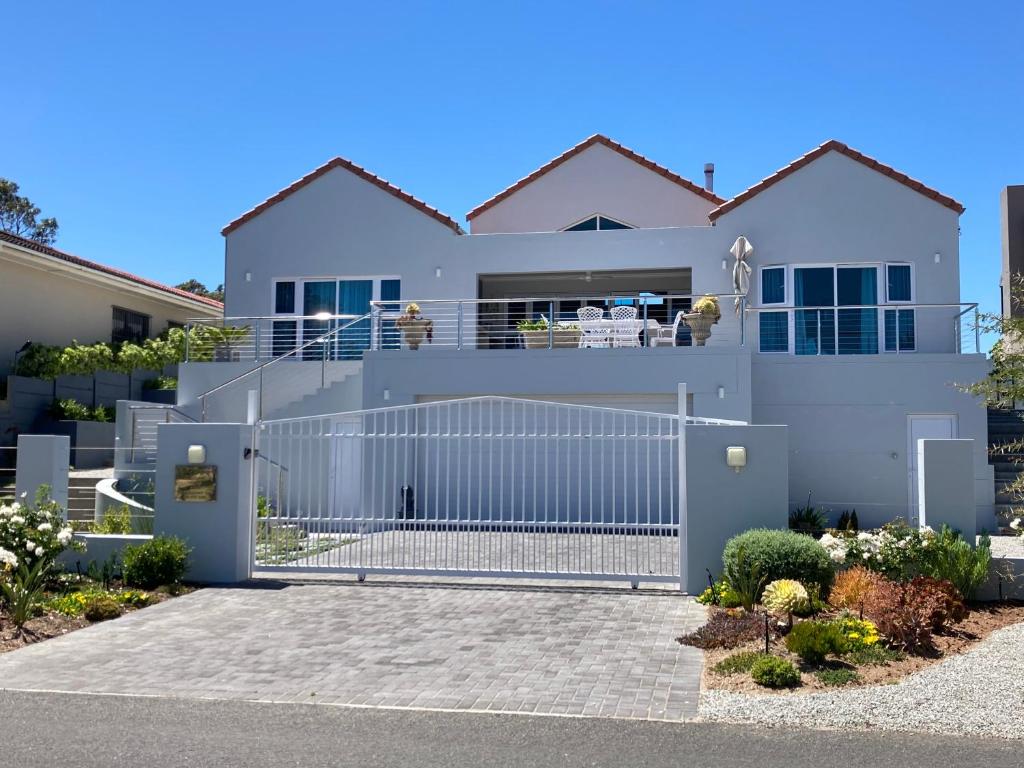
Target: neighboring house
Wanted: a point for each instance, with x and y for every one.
(48, 296)
(1011, 208)
(853, 333)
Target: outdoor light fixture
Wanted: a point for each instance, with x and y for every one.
(736, 457)
(938, 257)
(721, 393)
(248, 277)
(197, 454)
(725, 264)
(437, 272)
(387, 395)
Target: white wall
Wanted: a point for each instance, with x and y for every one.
(597, 180)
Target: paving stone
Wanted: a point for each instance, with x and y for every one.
(592, 652)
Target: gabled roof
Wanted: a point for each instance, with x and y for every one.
(348, 165)
(836, 146)
(597, 138)
(47, 250)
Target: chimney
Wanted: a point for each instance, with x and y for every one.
(709, 177)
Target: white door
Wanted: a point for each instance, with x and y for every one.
(928, 427)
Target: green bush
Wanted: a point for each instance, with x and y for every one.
(101, 608)
(836, 676)
(163, 560)
(738, 662)
(779, 555)
(952, 559)
(874, 655)
(72, 410)
(773, 672)
(812, 641)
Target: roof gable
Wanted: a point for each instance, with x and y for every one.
(348, 165)
(47, 250)
(835, 146)
(597, 138)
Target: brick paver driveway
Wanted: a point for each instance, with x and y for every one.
(557, 650)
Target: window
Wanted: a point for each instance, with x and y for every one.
(597, 222)
(284, 298)
(773, 327)
(129, 326)
(822, 330)
(899, 323)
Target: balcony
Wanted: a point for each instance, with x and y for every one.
(662, 324)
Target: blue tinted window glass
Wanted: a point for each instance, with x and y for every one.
(898, 282)
(607, 223)
(774, 332)
(773, 286)
(284, 298)
(589, 224)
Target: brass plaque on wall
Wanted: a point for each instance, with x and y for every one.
(195, 482)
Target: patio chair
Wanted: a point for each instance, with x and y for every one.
(625, 327)
(668, 335)
(593, 331)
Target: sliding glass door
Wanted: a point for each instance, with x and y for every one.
(828, 329)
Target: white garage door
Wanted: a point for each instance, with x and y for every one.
(653, 403)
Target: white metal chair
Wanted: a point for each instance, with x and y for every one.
(668, 335)
(625, 327)
(593, 332)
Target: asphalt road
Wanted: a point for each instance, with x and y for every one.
(41, 729)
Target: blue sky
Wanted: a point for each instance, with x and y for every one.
(145, 127)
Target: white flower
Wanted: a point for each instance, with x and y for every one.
(8, 558)
(44, 527)
(64, 536)
(6, 510)
(837, 556)
(39, 551)
(29, 546)
(1015, 524)
(867, 555)
(18, 520)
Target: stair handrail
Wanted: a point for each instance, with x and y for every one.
(258, 370)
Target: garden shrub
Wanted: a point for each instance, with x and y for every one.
(101, 607)
(812, 641)
(745, 578)
(781, 555)
(858, 633)
(721, 594)
(836, 676)
(738, 662)
(726, 629)
(953, 559)
(908, 613)
(163, 560)
(773, 672)
(785, 597)
(116, 520)
(852, 588)
(875, 655)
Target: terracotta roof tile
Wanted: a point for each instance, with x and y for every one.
(78, 261)
(597, 138)
(348, 165)
(837, 146)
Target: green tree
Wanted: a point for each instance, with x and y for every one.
(20, 217)
(200, 289)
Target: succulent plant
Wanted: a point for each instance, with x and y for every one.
(784, 597)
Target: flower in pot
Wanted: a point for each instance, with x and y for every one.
(537, 335)
(414, 327)
(705, 314)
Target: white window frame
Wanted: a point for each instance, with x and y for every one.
(913, 283)
(787, 294)
(897, 304)
(300, 300)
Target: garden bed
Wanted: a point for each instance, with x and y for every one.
(983, 619)
(52, 623)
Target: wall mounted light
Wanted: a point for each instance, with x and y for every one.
(721, 393)
(248, 277)
(938, 257)
(437, 272)
(894, 455)
(197, 454)
(725, 264)
(736, 457)
(387, 395)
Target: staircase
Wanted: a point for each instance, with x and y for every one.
(344, 393)
(1005, 426)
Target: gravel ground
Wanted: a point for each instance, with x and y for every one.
(978, 693)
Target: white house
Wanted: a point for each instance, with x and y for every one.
(853, 334)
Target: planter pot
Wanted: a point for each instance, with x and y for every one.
(700, 326)
(414, 332)
(561, 339)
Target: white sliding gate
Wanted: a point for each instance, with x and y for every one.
(480, 486)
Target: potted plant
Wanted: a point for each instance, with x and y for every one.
(414, 327)
(704, 315)
(537, 336)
